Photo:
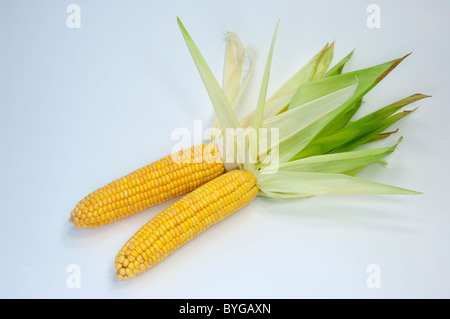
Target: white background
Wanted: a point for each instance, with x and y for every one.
(82, 107)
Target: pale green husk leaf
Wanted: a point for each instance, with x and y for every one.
(232, 71)
(335, 163)
(297, 120)
(236, 79)
(287, 184)
(281, 98)
(218, 99)
(259, 113)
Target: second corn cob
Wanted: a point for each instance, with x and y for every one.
(185, 219)
(148, 186)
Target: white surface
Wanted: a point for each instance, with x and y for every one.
(81, 107)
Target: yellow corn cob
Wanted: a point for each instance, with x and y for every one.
(150, 185)
(185, 219)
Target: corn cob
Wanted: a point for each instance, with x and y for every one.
(148, 186)
(185, 219)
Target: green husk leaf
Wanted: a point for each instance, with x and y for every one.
(232, 71)
(232, 76)
(324, 63)
(251, 54)
(336, 163)
(259, 113)
(219, 101)
(367, 79)
(287, 184)
(339, 67)
(300, 118)
(281, 98)
(363, 130)
(340, 121)
(392, 108)
(348, 138)
(356, 171)
(382, 136)
(360, 140)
